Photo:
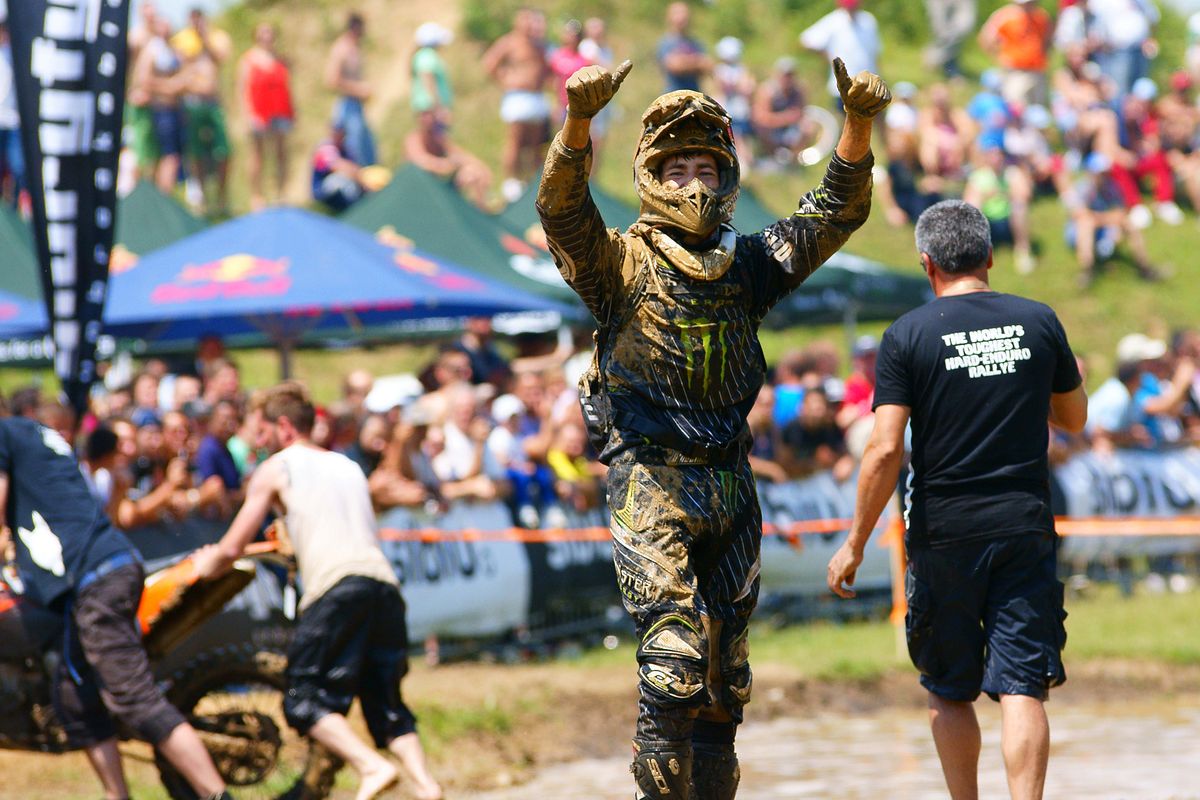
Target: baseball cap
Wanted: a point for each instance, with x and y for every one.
(1144, 89)
(1181, 81)
(1097, 162)
(391, 391)
(904, 90)
(419, 415)
(785, 65)
(729, 48)
(849, 5)
(865, 345)
(1137, 347)
(431, 34)
(507, 406)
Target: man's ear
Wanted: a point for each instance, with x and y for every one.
(989, 264)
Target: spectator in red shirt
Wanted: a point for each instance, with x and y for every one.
(1144, 157)
(860, 386)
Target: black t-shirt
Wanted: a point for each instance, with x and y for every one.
(59, 529)
(977, 371)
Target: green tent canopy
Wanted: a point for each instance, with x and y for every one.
(147, 219)
(430, 212)
(522, 214)
(19, 272)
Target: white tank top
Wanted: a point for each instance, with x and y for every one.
(330, 521)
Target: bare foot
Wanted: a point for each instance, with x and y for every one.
(377, 781)
(428, 791)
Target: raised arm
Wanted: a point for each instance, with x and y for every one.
(587, 255)
(839, 206)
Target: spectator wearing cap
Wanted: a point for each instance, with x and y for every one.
(850, 33)
(1018, 36)
(1163, 393)
(1144, 157)
(532, 487)
(860, 385)
(1180, 133)
(345, 72)
(778, 114)
(1122, 36)
(733, 88)
(431, 89)
(951, 22)
(680, 56)
(1099, 221)
(1125, 411)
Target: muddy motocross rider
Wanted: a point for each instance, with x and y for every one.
(679, 298)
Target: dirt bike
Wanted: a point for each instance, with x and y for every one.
(233, 696)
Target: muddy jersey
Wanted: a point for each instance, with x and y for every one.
(683, 352)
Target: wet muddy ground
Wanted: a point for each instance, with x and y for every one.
(1126, 750)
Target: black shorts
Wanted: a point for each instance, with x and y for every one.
(353, 641)
(104, 669)
(987, 616)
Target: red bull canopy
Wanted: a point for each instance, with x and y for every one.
(289, 274)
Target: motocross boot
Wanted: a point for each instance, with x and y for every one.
(715, 771)
(662, 770)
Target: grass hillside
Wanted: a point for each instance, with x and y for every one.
(1118, 303)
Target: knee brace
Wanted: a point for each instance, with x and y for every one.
(662, 770)
(736, 677)
(715, 771)
(673, 662)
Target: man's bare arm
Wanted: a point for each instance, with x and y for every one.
(1068, 410)
(877, 479)
(265, 483)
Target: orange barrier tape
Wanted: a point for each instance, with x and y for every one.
(1066, 526)
(594, 533)
(1127, 526)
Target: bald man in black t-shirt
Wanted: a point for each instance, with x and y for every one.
(978, 373)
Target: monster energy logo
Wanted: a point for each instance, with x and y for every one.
(700, 331)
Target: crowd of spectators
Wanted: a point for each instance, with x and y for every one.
(168, 439)
(1068, 110)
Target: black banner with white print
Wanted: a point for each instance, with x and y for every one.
(69, 61)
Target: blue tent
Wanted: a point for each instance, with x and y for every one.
(20, 315)
(290, 275)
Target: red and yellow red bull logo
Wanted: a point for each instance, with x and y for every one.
(228, 278)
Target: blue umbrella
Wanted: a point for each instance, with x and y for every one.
(287, 275)
(21, 316)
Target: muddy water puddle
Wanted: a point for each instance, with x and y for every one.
(1132, 750)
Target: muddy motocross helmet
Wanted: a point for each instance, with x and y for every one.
(677, 122)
